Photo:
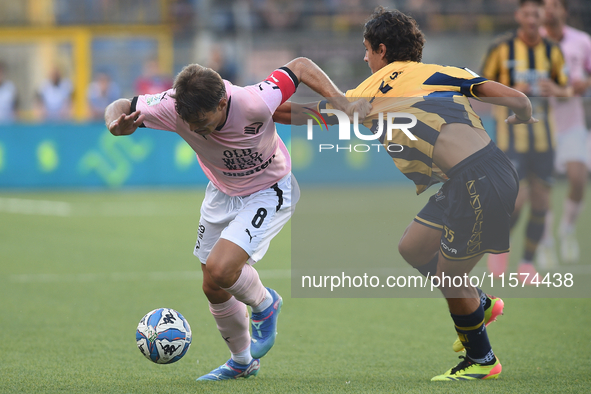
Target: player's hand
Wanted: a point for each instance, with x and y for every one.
(361, 106)
(513, 119)
(548, 88)
(126, 124)
(580, 86)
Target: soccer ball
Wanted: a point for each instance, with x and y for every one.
(163, 336)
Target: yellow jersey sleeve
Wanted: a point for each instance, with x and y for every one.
(454, 79)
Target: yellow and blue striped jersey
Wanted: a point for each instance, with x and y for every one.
(512, 62)
(434, 94)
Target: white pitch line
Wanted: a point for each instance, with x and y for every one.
(124, 209)
(111, 209)
(35, 207)
(130, 276)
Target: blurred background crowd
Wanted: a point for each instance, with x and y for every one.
(66, 60)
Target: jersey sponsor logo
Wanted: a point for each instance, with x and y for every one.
(253, 128)
(509, 63)
(241, 159)
(450, 250)
(153, 99)
(439, 196)
(530, 76)
(252, 170)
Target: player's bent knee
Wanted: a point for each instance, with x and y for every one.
(223, 274)
(405, 250)
(414, 254)
(214, 293)
(218, 274)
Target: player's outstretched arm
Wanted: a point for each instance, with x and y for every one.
(283, 114)
(119, 118)
(499, 94)
(310, 74)
(293, 113)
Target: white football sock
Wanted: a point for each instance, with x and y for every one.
(547, 237)
(243, 357)
(265, 304)
(572, 210)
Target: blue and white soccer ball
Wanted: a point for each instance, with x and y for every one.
(163, 336)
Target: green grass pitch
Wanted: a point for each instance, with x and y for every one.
(77, 276)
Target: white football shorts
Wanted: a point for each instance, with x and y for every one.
(571, 146)
(250, 222)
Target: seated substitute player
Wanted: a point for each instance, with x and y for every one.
(251, 193)
(526, 61)
(470, 215)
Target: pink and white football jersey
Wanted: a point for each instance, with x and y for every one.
(576, 47)
(245, 154)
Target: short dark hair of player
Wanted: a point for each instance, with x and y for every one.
(198, 90)
(536, 2)
(400, 34)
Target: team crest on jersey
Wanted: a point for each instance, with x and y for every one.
(253, 128)
(439, 196)
(154, 99)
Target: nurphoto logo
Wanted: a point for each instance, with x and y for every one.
(392, 124)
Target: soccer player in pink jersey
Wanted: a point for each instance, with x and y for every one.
(251, 193)
(571, 129)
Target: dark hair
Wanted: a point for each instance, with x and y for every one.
(537, 2)
(400, 34)
(198, 90)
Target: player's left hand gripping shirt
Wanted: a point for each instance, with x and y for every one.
(245, 154)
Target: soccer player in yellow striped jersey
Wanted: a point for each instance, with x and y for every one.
(533, 65)
(470, 214)
(435, 94)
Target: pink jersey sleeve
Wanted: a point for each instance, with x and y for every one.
(277, 88)
(158, 110)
